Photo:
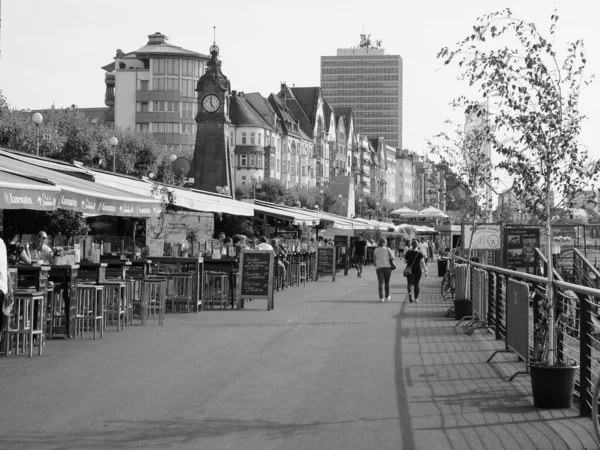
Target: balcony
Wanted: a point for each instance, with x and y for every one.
(109, 79)
(109, 99)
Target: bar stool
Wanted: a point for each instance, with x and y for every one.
(129, 294)
(89, 309)
(26, 322)
(216, 289)
(302, 273)
(114, 300)
(180, 292)
(153, 293)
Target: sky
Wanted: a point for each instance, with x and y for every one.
(52, 51)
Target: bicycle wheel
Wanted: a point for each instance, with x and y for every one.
(595, 412)
(446, 285)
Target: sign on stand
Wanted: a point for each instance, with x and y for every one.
(342, 250)
(325, 262)
(256, 276)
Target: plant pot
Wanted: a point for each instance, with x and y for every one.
(463, 308)
(553, 386)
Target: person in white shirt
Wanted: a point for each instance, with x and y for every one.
(262, 244)
(424, 249)
(3, 277)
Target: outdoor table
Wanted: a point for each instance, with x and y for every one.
(140, 267)
(93, 272)
(193, 265)
(116, 267)
(34, 276)
(63, 308)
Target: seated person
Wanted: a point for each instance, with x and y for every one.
(40, 251)
(16, 252)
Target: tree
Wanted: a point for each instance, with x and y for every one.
(464, 153)
(537, 119)
(63, 222)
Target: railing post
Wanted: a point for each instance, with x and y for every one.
(585, 356)
(499, 310)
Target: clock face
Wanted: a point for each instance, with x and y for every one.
(211, 103)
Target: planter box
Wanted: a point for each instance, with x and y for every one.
(553, 386)
(463, 308)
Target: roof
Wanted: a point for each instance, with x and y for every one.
(308, 99)
(327, 113)
(242, 114)
(284, 113)
(262, 107)
(156, 48)
(297, 110)
(345, 112)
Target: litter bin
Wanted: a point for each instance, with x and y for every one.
(442, 267)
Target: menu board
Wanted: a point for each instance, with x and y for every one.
(256, 276)
(325, 262)
(341, 244)
(519, 247)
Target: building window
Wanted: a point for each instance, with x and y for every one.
(289, 164)
(278, 168)
(188, 110)
(187, 128)
(187, 88)
(172, 67)
(143, 85)
(252, 138)
(293, 168)
(303, 171)
(158, 67)
(273, 167)
(243, 178)
(141, 107)
(172, 84)
(243, 138)
(267, 139)
(293, 148)
(142, 127)
(231, 138)
(172, 127)
(252, 160)
(158, 84)
(259, 139)
(158, 127)
(243, 160)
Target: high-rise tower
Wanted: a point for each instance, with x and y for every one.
(370, 81)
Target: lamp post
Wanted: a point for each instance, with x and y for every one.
(340, 200)
(321, 192)
(114, 142)
(37, 118)
(360, 202)
(172, 159)
(254, 179)
(298, 204)
(377, 206)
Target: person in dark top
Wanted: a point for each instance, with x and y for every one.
(16, 252)
(360, 248)
(414, 258)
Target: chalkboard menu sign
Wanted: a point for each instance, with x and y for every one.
(256, 276)
(341, 246)
(325, 262)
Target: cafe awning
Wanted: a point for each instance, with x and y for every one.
(21, 192)
(77, 194)
(185, 198)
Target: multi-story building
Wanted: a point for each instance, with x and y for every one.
(346, 141)
(152, 89)
(405, 179)
(370, 81)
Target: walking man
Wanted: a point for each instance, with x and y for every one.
(360, 246)
(424, 249)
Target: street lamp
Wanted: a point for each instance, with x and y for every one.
(254, 179)
(340, 200)
(321, 192)
(114, 142)
(377, 206)
(172, 159)
(37, 118)
(298, 204)
(360, 202)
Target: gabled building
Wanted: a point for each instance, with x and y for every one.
(345, 140)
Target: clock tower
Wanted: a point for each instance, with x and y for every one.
(212, 167)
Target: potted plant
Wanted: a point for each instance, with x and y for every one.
(537, 124)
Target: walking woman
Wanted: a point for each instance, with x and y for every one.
(381, 259)
(415, 260)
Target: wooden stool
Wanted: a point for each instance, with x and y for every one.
(302, 273)
(180, 292)
(26, 322)
(153, 294)
(115, 298)
(89, 309)
(130, 286)
(216, 289)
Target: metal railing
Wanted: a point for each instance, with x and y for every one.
(577, 316)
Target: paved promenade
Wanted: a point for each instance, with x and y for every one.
(330, 368)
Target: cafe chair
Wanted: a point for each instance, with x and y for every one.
(89, 310)
(153, 293)
(115, 300)
(179, 293)
(302, 273)
(26, 322)
(216, 289)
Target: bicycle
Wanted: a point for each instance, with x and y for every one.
(448, 287)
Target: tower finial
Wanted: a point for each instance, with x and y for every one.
(214, 34)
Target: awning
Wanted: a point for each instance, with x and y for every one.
(295, 215)
(185, 198)
(81, 195)
(21, 192)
